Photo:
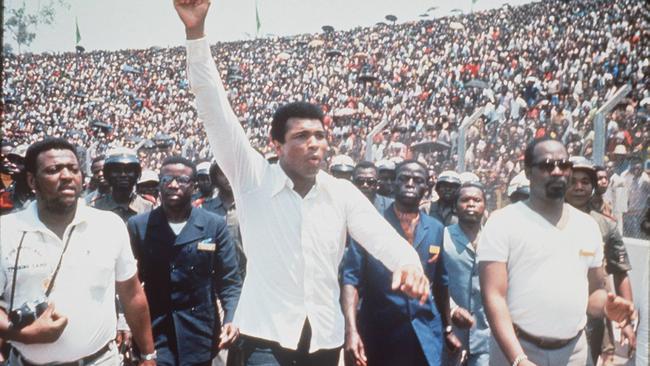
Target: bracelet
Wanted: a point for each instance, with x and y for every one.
(149, 356)
(519, 358)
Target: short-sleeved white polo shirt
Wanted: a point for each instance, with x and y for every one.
(99, 254)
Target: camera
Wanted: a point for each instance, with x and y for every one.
(27, 313)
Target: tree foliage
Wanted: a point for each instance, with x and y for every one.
(22, 21)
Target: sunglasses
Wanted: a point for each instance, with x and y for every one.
(182, 180)
(549, 165)
(365, 181)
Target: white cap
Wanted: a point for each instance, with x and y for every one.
(203, 168)
(342, 162)
(467, 177)
(148, 175)
(518, 182)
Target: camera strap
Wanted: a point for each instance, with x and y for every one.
(56, 271)
(13, 280)
(58, 266)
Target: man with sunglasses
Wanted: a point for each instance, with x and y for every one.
(364, 177)
(540, 269)
(186, 259)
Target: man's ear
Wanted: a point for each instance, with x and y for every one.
(277, 147)
(31, 181)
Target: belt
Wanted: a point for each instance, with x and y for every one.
(80, 362)
(544, 342)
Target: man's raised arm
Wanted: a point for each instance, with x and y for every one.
(241, 164)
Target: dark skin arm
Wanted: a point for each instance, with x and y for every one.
(136, 311)
(623, 289)
(353, 344)
(441, 297)
(494, 286)
(46, 329)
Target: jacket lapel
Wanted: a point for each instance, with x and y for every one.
(193, 230)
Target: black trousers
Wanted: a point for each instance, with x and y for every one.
(260, 352)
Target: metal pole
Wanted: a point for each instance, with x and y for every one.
(462, 137)
(600, 132)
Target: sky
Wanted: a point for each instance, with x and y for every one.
(124, 24)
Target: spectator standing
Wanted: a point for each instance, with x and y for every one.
(187, 261)
(294, 221)
(83, 257)
(540, 268)
(460, 243)
(391, 329)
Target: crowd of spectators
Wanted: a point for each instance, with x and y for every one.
(539, 69)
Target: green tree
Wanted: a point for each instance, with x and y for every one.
(21, 22)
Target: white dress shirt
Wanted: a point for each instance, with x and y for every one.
(99, 253)
(293, 245)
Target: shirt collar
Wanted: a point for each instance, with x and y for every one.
(281, 180)
(30, 221)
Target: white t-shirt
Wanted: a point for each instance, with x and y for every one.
(547, 267)
(99, 254)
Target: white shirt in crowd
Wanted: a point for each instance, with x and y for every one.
(99, 253)
(293, 245)
(547, 267)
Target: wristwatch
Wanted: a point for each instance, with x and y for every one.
(149, 356)
(448, 329)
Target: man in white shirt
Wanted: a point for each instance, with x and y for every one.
(74, 257)
(540, 268)
(294, 219)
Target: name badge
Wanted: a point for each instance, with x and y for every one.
(433, 251)
(207, 246)
(587, 253)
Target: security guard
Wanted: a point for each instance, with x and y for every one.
(122, 170)
(342, 166)
(446, 187)
(186, 259)
(579, 194)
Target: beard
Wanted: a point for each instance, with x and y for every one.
(556, 190)
(59, 206)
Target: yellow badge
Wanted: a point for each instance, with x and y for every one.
(587, 253)
(208, 247)
(434, 249)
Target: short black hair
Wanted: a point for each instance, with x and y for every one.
(292, 110)
(47, 144)
(97, 158)
(530, 149)
(477, 185)
(364, 165)
(411, 161)
(599, 168)
(177, 159)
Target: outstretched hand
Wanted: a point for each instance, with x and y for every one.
(192, 14)
(618, 309)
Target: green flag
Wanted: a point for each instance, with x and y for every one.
(257, 18)
(78, 34)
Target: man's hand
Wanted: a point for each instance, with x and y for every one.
(462, 318)
(618, 309)
(147, 363)
(628, 337)
(452, 342)
(354, 351)
(47, 328)
(123, 339)
(412, 281)
(192, 13)
(228, 336)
